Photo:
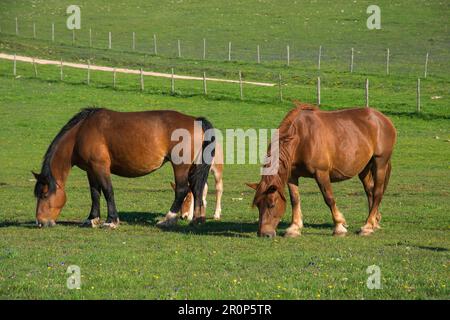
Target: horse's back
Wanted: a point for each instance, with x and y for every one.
(130, 143)
(363, 122)
(343, 141)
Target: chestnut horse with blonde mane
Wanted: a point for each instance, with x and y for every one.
(329, 146)
(103, 142)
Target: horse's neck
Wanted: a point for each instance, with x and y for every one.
(61, 162)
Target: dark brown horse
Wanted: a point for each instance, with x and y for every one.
(128, 144)
(329, 146)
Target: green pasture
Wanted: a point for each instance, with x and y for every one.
(225, 259)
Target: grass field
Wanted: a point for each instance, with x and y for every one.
(226, 259)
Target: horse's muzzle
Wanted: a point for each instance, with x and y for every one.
(267, 234)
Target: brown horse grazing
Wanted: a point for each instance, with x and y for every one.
(328, 146)
(129, 144)
(187, 208)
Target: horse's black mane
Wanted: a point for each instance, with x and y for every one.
(45, 178)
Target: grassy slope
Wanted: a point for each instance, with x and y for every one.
(140, 261)
(409, 28)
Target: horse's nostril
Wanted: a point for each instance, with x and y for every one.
(267, 234)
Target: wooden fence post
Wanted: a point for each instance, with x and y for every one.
(15, 66)
(351, 60)
(367, 92)
(89, 72)
(241, 89)
(142, 80)
(35, 68)
(258, 54)
(17, 27)
(90, 37)
(172, 83)
(388, 55)
(154, 45)
(418, 95)
(34, 30)
(426, 67)
(61, 70)
(320, 57)
(114, 78)
(205, 91)
(280, 87)
(134, 41)
(229, 51)
(53, 32)
(109, 40)
(179, 48)
(204, 49)
(318, 91)
(288, 56)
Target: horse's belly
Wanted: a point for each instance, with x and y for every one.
(130, 171)
(348, 170)
(136, 167)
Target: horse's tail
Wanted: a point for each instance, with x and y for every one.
(198, 175)
(388, 175)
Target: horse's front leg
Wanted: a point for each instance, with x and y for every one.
(93, 219)
(323, 180)
(296, 226)
(112, 220)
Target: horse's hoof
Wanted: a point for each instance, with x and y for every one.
(91, 223)
(216, 217)
(166, 223)
(197, 221)
(340, 231)
(365, 232)
(185, 216)
(111, 225)
(292, 232)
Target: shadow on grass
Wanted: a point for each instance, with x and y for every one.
(211, 227)
(435, 249)
(32, 224)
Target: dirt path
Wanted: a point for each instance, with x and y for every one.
(123, 70)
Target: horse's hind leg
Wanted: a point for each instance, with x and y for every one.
(93, 219)
(367, 180)
(181, 190)
(323, 180)
(380, 172)
(219, 191)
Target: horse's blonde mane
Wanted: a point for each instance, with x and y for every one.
(288, 140)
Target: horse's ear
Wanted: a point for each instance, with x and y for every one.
(254, 186)
(173, 185)
(296, 103)
(36, 175)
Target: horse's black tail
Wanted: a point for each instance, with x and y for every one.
(198, 174)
